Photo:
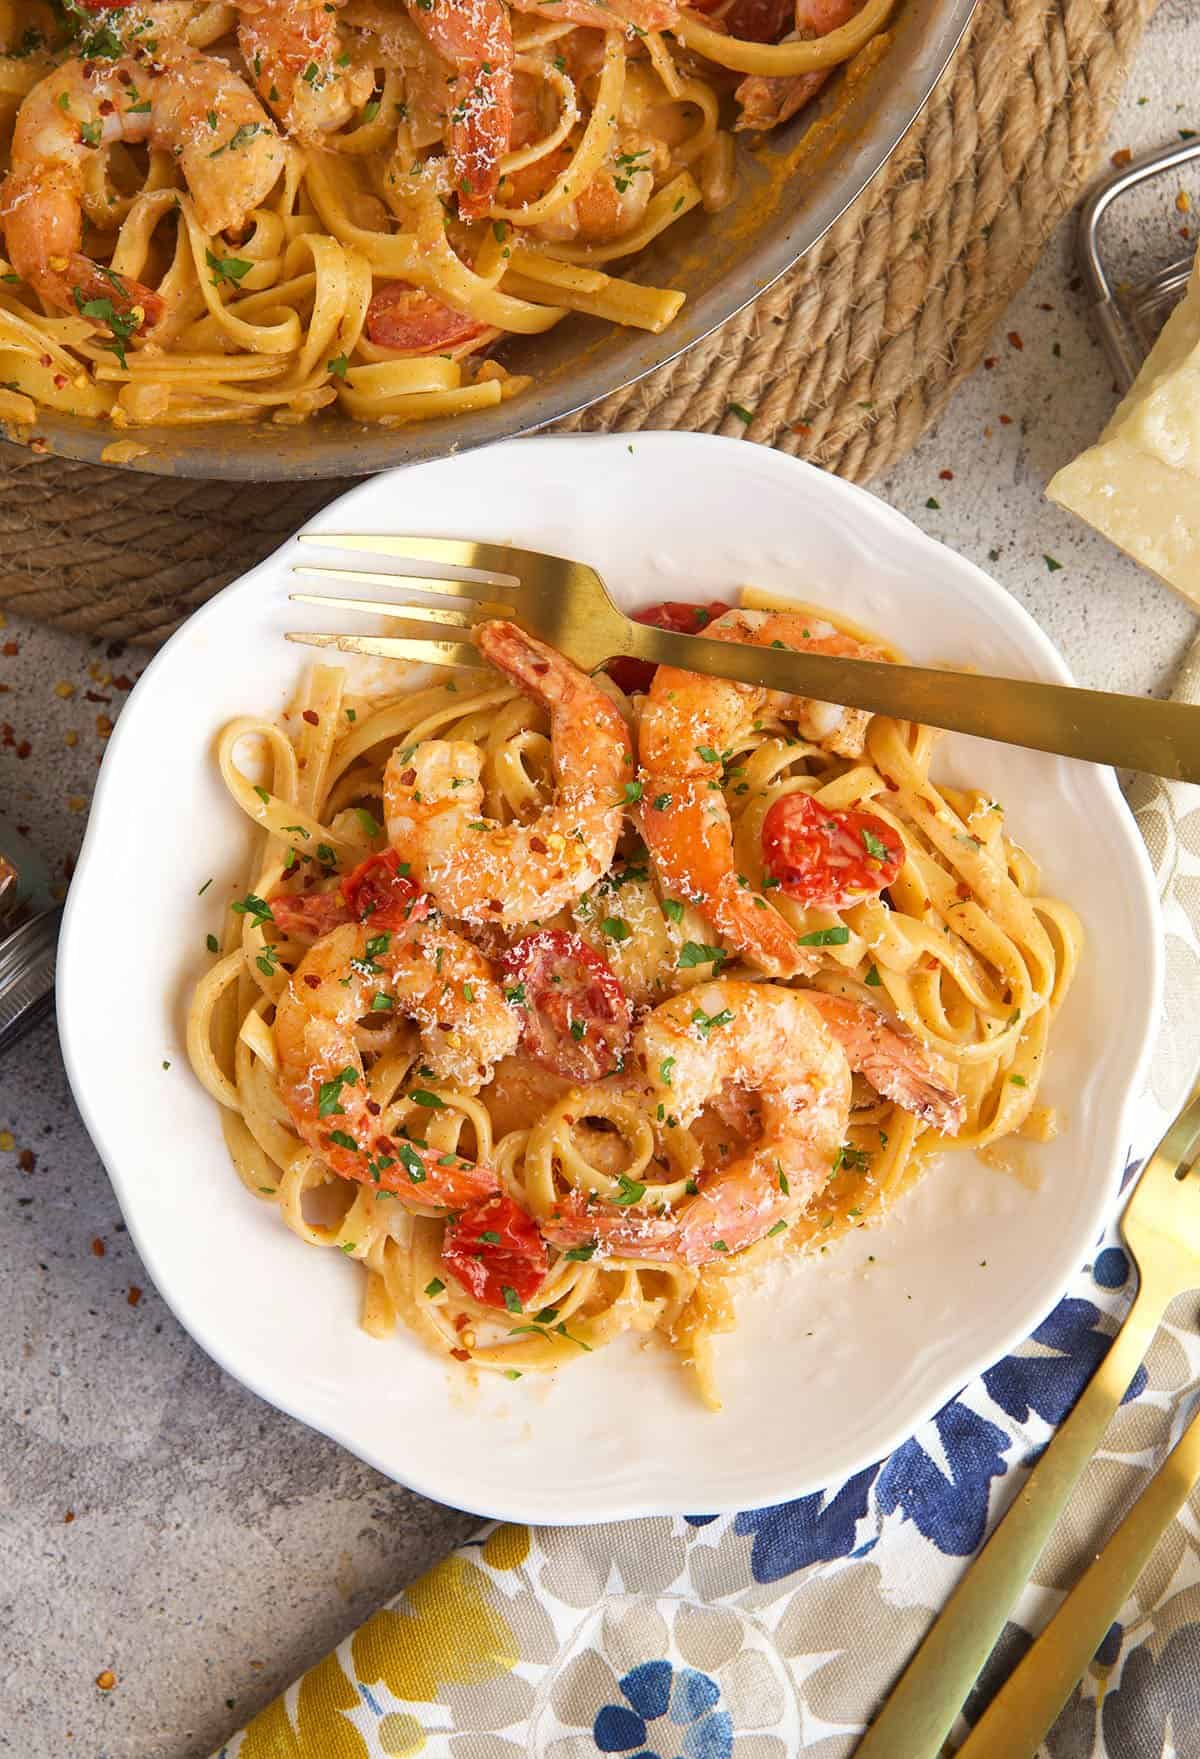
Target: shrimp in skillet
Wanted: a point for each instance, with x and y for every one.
(511, 875)
(474, 38)
(792, 1053)
(295, 54)
(189, 104)
(690, 726)
(766, 100)
(430, 976)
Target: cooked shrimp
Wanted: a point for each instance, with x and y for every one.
(895, 1063)
(514, 874)
(294, 52)
(753, 1036)
(790, 1052)
(689, 727)
(432, 977)
(766, 100)
(475, 38)
(192, 105)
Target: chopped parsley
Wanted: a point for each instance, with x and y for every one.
(581, 1254)
(511, 1299)
(616, 928)
(744, 415)
(253, 906)
(211, 943)
(633, 793)
(693, 953)
(825, 937)
(629, 1191)
(431, 1101)
(413, 1165)
(874, 846)
(329, 1094)
(664, 1070)
(434, 1287)
(673, 909)
(237, 139)
(227, 269)
(873, 978)
(343, 1140)
(704, 1023)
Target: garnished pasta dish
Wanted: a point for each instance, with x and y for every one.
(559, 1003)
(234, 210)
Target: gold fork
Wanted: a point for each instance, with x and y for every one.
(1161, 1228)
(567, 604)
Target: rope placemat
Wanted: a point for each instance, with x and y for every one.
(844, 362)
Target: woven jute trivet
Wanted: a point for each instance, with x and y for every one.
(844, 362)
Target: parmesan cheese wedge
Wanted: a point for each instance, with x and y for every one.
(1140, 483)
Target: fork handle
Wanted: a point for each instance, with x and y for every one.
(1100, 726)
(1024, 1710)
(923, 1705)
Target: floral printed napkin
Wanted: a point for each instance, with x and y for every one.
(777, 1632)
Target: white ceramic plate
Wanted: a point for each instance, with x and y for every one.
(840, 1358)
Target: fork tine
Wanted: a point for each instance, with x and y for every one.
(456, 552)
(457, 589)
(388, 647)
(412, 613)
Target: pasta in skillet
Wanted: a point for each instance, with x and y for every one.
(234, 210)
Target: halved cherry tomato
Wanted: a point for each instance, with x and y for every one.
(376, 891)
(400, 316)
(828, 856)
(380, 891)
(576, 1018)
(306, 916)
(754, 21)
(633, 675)
(496, 1252)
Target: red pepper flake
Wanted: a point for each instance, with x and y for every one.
(133, 1295)
(374, 1107)
(94, 696)
(312, 981)
(68, 1517)
(947, 476)
(312, 717)
(1014, 340)
(1044, 305)
(461, 1355)
(121, 682)
(106, 1680)
(1185, 232)
(60, 381)
(45, 360)
(38, 444)
(10, 648)
(98, 1248)
(803, 428)
(24, 748)
(461, 1321)
(1006, 421)
(990, 361)
(1122, 156)
(106, 106)
(27, 1160)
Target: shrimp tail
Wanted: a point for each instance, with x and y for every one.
(895, 1063)
(88, 281)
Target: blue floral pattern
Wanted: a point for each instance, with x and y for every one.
(766, 1634)
(677, 1711)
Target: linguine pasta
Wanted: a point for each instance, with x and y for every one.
(959, 957)
(252, 210)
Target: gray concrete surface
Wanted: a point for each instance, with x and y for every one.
(155, 1518)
